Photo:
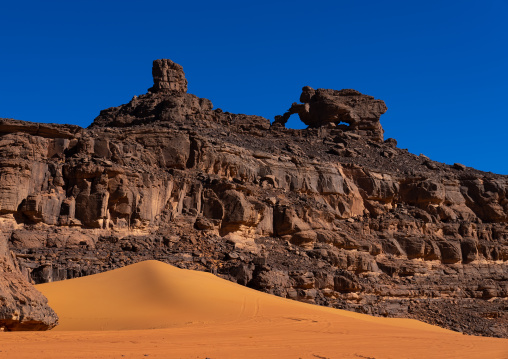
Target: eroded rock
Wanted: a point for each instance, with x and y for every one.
(22, 306)
(348, 109)
(168, 76)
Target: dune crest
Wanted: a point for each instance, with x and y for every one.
(147, 295)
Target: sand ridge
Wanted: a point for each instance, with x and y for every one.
(155, 310)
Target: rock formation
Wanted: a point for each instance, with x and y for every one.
(168, 76)
(22, 306)
(331, 215)
(348, 109)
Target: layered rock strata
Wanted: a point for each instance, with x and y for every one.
(331, 215)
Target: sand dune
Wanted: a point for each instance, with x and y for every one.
(174, 313)
(153, 295)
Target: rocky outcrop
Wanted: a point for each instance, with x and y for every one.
(348, 109)
(330, 215)
(22, 306)
(167, 77)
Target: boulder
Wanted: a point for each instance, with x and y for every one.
(450, 251)
(413, 246)
(344, 284)
(304, 239)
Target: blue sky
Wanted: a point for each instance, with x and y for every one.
(440, 66)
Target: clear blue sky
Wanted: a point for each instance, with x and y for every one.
(440, 66)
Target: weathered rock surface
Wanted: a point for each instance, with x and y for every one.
(331, 215)
(22, 306)
(349, 109)
(168, 76)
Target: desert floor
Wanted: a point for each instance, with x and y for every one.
(154, 310)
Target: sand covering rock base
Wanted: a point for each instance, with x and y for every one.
(155, 310)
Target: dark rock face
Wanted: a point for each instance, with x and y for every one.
(22, 306)
(330, 215)
(349, 109)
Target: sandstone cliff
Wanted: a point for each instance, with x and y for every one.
(333, 214)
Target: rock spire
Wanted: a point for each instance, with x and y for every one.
(168, 76)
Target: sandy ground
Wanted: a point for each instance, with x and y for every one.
(154, 310)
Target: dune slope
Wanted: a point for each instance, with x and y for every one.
(147, 295)
(153, 294)
(196, 314)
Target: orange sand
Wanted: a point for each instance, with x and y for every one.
(174, 313)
